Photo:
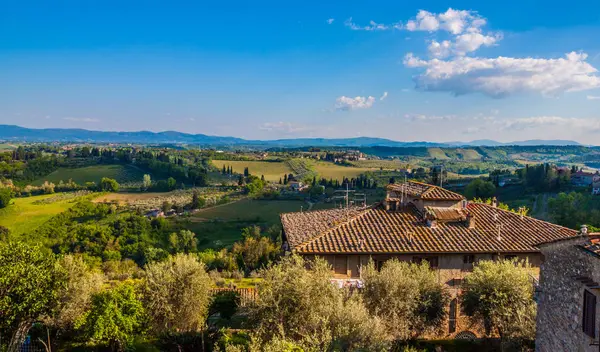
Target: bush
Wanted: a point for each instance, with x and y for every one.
(5, 197)
(225, 303)
(108, 185)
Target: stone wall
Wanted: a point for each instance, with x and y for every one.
(560, 298)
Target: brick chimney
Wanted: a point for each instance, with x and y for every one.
(495, 202)
(470, 221)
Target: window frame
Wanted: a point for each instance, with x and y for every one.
(588, 323)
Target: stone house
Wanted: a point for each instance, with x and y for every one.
(583, 178)
(419, 222)
(568, 316)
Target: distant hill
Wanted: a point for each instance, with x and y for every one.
(531, 142)
(22, 134)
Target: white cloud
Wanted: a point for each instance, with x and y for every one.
(330, 20)
(593, 97)
(285, 127)
(465, 28)
(470, 42)
(425, 21)
(80, 119)
(373, 26)
(347, 103)
(472, 130)
(498, 77)
(439, 50)
(423, 117)
(385, 95)
(453, 21)
(589, 125)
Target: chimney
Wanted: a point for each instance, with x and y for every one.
(470, 221)
(495, 202)
(584, 230)
(387, 200)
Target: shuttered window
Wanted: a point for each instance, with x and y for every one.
(589, 314)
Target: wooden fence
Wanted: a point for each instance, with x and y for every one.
(247, 295)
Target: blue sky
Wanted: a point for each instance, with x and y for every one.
(437, 71)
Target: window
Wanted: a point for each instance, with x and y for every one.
(510, 257)
(468, 259)
(433, 261)
(589, 314)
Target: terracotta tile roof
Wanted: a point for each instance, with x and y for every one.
(302, 226)
(376, 230)
(446, 214)
(594, 245)
(425, 191)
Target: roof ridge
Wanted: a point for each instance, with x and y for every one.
(324, 233)
(527, 216)
(312, 211)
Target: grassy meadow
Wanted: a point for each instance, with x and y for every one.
(337, 172)
(272, 171)
(121, 173)
(24, 215)
(221, 226)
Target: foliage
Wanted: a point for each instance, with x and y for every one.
(255, 251)
(254, 185)
(76, 295)
(544, 177)
(183, 241)
(479, 188)
(5, 196)
(218, 260)
(96, 229)
(406, 296)
(115, 317)
(225, 303)
(177, 294)
(521, 211)
(499, 295)
(574, 209)
(30, 283)
(146, 182)
(108, 185)
(301, 305)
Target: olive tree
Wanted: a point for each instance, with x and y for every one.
(406, 296)
(499, 295)
(29, 289)
(297, 302)
(177, 294)
(75, 297)
(115, 317)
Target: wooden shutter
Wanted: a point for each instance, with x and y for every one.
(589, 314)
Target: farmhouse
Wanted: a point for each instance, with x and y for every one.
(419, 222)
(568, 316)
(583, 178)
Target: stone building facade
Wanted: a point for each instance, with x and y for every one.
(418, 222)
(568, 316)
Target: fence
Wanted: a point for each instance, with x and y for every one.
(247, 295)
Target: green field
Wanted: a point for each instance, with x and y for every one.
(221, 226)
(338, 172)
(4, 147)
(385, 164)
(121, 173)
(25, 214)
(272, 171)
